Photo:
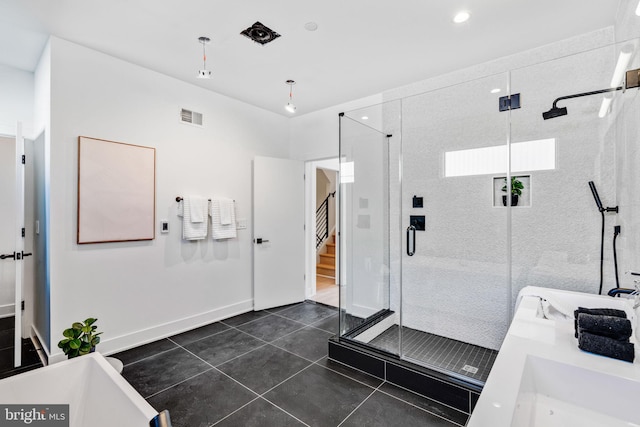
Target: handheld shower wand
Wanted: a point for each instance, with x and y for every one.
(598, 202)
(602, 210)
(595, 196)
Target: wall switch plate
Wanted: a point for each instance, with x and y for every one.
(241, 224)
(164, 226)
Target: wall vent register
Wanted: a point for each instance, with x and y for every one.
(191, 117)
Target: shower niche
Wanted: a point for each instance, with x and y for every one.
(520, 197)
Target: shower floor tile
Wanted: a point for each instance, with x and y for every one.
(448, 354)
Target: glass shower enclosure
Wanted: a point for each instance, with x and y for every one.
(453, 200)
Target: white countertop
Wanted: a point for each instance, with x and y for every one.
(534, 340)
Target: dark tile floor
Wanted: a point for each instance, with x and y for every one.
(270, 368)
(30, 358)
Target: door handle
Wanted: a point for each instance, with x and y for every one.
(260, 241)
(24, 255)
(5, 256)
(412, 251)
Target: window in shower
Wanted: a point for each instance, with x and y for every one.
(525, 156)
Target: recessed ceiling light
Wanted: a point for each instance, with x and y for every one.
(311, 26)
(496, 90)
(365, 118)
(461, 17)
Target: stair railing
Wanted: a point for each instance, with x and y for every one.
(322, 221)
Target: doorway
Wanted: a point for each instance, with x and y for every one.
(17, 352)
(322, 182)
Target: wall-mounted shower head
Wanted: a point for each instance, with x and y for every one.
(562, 111)
(554, 112)
(595, 196)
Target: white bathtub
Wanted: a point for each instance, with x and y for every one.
(97, 395)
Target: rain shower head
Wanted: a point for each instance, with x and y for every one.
(562, 111)
(554, 112)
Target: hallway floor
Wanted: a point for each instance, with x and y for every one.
(270, 368)
(327, 291)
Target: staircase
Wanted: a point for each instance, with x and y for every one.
(327, 265)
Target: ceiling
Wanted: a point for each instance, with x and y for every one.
(360, 48)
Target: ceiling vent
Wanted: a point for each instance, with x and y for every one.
(260, 33)
(191, 117)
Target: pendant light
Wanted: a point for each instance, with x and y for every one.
(204, 73)
(290, 107)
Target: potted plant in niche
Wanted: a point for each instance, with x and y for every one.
(80, 338)
(516, 190)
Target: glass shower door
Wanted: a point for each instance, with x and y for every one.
(366, 186)
(454, 237)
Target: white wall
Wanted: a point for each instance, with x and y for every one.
(315, 135)
(42, 171)
(16, 102)
(141, 291)
(627, 21)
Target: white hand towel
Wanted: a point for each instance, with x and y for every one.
(199, 208)
(219, 230)
(226, 211)
(191, 230)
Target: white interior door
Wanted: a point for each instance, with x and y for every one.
(7, 221)
(11, 240)
(20, 237)
(278, 232)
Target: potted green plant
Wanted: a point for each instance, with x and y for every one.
(516, 190)
(80, 338)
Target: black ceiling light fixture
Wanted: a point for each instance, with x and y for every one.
(290, 107)
(260, 33)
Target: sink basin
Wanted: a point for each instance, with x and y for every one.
(554, 394)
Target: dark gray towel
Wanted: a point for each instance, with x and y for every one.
(606, 346)
(596, 311)
(608, 326)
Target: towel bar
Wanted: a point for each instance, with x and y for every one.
(179, 199)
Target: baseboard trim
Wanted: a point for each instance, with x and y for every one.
(42, 349)
(154, 333)
(6, 310)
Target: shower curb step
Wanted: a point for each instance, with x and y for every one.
(434, 385)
